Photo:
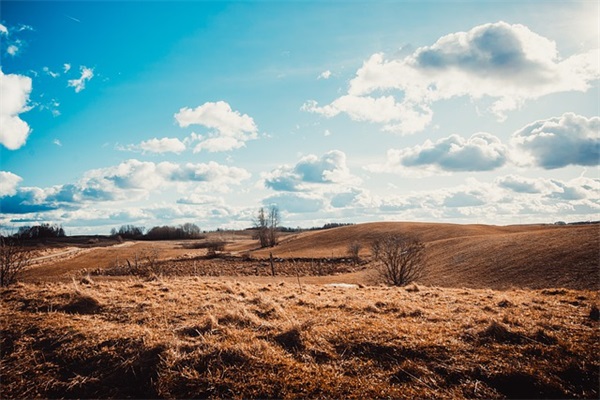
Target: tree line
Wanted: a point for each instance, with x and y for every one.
(185, 231)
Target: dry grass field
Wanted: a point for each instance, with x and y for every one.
(501, 312)
(209, 338)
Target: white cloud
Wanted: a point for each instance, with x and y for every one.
(201, 199)
(480, 152)
(50, 73)
(520, 184)
(12, 50)
(217, 144)
(560, 141)
(66, 67)
(164, 145)
(231, 129)
(508, 63)
(297, 203)
(402, 117)
(9, 183)
(57, 142)
(3, 30)
(14, 96)
(79, 84)
(129, 181)
(324, 75)
(311, 170)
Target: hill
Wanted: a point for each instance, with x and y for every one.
(477, 256)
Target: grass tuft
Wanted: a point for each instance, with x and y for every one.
(82, 304)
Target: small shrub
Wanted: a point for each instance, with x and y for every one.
(400, 257)
(594, 313)
(82, 304)
(14, 258)
(499, 333)
(291, 340)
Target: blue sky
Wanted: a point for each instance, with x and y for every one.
(154, 113)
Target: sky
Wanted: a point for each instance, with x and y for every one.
(161, 113)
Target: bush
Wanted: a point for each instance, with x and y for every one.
(14, 257)
(400, 258)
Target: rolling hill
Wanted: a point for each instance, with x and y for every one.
(478, 256)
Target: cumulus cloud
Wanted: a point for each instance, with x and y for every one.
(164, 145)
(66, 67)
(520, 184)
(331, 168)
(401, 117)
(560, 141)
(508, 63)
(127, 181)
(480, 152)
(9, 183)
(3, 30)
(79, 84)
(14, 96)
(229, 129)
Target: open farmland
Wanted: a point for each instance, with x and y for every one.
(501, 312)
(476, 256)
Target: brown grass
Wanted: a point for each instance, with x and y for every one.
(207, 338)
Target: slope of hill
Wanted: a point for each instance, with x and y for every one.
(535, 256)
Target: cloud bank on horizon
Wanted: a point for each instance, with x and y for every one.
(491, 124)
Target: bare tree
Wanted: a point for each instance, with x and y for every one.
(400, 257)
(273, 222)
(354, 250)
(266, 225)
(262, 231)
(14, 257)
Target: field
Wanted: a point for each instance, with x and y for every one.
(502, 312)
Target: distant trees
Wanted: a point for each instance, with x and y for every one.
(42, 231)
(266, 225)
(14, 257)
(128, 231)
(185, 231)
(400, 257)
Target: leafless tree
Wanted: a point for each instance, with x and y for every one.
(273, 221)
(354, 250)
(262, 230)
(14, 257)
(400, 257)
(266, 225)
